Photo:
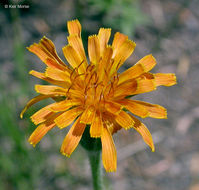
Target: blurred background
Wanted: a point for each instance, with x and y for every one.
(169, 29)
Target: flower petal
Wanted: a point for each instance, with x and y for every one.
(114, 128)
(87, 115)
(64, 105)
(113, 107)
(56, 74)
(39, 133)
(54, 64)
(96, 125)
(39, 51)
(94, 49)
(73, 138)
(50, 90)
(45, 49)
(41, 115)
(74, 27)
(103, 35)
(145, 85)
(123, 53)
(148, 62)
(38, 75)
(74, 93)
(118, 40)
(52, 81)
(126, 88)
(154, 110)
(110, 122)
(144, 132)
(134, 107)
(142, 66)
(34, 101)
(76, 42)
(109, 154)
(48, 45)
(68, 117)
(131, 73)
(124, 120)
(41, 130)
(165, 79)
(105, 64)
(73, 58)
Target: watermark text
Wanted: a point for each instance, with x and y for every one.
(20, 6)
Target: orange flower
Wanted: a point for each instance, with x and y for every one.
(93, 92)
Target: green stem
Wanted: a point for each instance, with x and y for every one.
(93, 148)
(95, 163)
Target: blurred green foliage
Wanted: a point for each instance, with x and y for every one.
(121, 15)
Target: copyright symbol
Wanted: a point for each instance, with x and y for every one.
(6, 6)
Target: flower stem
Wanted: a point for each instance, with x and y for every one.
(95, 163)
(93, 148)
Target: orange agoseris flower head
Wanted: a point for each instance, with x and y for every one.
(93, 92)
